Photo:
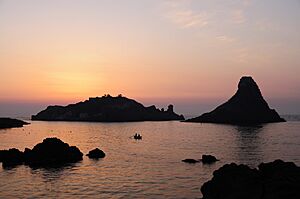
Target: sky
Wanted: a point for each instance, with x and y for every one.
(190, 53)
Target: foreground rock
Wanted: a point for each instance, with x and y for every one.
(107, 109)
(208, 159)
(11, 123)
(246, 107)
(51, 152)
(274, 180)
(11, 157)
(96, 154)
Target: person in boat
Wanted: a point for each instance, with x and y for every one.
(137, 136)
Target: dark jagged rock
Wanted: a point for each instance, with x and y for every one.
(107, 109)
(246, 107)
(96, 154)
(191, 161)
(11, 123)
(51, 152)
(11, 157)
(274, 180)
(208, 159)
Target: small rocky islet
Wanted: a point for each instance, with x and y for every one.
(206, 159)
(96, 154)
(52, 152)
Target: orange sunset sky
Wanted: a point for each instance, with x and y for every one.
(190, 53)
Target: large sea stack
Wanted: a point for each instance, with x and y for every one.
(107, 109)
(246, 107)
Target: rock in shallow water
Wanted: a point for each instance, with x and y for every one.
(208, 159)
(51, 152)
(96, 154)
(274, 180)
(191, 161)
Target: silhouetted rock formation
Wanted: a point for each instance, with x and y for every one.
(51, 152)
(107, 109)
(191, 161)
(274, 180)
(208, 159)
(246, 107)
(11, 123)
(96, 154)
(11, 157)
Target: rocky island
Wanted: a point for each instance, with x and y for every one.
(246, 107)
(11, 123)
(107, 109)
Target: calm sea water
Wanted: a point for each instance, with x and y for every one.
(150, 168)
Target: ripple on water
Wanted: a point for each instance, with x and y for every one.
(150, 168)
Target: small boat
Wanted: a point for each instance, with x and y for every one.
(137, 136)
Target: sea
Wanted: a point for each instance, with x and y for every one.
(147, 168)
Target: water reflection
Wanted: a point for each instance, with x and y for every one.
(249, 144)
(54, 173)
(151, 168)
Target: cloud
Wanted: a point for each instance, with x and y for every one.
(266, 25)
(247, 2)
(238, 16)
(188, 19)
(180, 13)
(225, 39)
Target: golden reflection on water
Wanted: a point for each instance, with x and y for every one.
(150, 167)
